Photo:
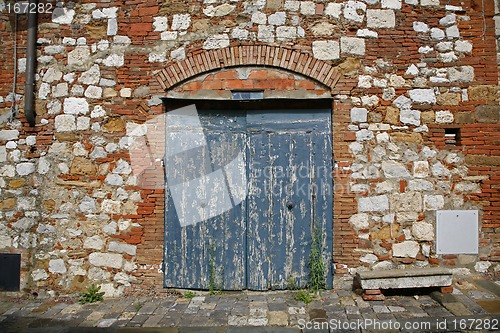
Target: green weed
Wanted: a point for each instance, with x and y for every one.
(92, 295)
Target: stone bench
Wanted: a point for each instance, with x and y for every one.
(373, 281)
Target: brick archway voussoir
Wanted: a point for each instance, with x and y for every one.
(251, 55)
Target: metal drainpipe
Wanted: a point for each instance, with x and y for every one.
(29, 91)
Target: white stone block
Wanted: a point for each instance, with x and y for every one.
(463, 46)
(25, 168)
(39, 275)
(429, 2)
(7, 135)
(93, 92)
(392, 4)
(218, 11)
(373, 204)
(239, 33)
(114, 60)
(380, 18)
(354, 10)
(420, 27)
(423, 231)
(393, 169)
(405, 249)
(292, 5)
(112, 28)
(278, 18)
(60, 90)
(444, 117)
(307, 7)
(112, 260)
(259, 18)
(286, 33)
(333, 10)
(265, 33)
(366, 33)
(444, 46)
(75, 105)
(178, 54)
(360, 221)
(422, 96)
(433, 202)
(158, 56)
(62, 15)
(420, 169)
(43, 165)
(410, 117)
(160, 23)
(181, 22)
(65, 123)
(352, 45)
(439, 170)
(168, 35)
(326, 50)
(95, 242)
(437, 34)
(52, 74)
(452, 32)
(90, 76)
(359, 115)
(79, 56)
(364, 135)
(461, 74)
(448, 20)
(122, 248)
(57, 266)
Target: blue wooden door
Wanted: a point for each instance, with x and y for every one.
(205, 212)
(259, 239)
(289, 194)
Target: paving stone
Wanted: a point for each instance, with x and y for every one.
(237, 320)
(277, 307)
(153, 321)
(351, 309)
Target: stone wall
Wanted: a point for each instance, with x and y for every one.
(401, 73)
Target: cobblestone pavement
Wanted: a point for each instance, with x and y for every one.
(474, 306)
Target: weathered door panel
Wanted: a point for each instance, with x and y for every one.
(204, 246)
(282, 200)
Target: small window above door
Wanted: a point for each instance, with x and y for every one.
(242, 95)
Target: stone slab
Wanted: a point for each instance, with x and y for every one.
(409, 278)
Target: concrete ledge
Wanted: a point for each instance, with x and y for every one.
(408, 278)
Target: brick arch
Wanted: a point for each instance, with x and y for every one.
(251, 55)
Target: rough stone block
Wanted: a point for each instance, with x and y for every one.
(122, 248)
(326, 50)
(373, 204)
(8, 135)
(461, 74)
(423, 231)
(354, 11)
(352, 45)
(488, 114)
(100, 259)
(359, 115)
(405, 249)
(57, 266)
(422, 96)
(380, 18)
(393, 169)
(406, 202)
